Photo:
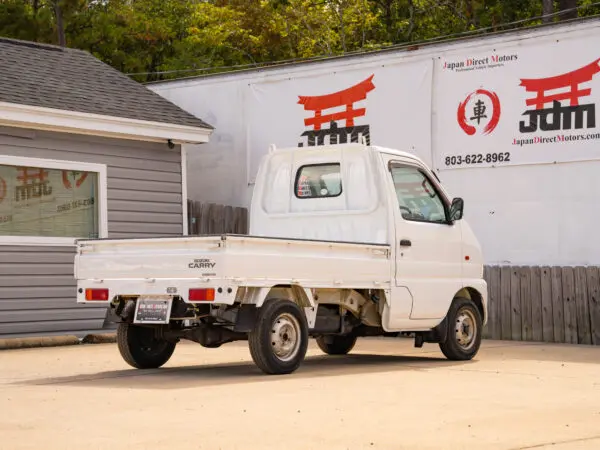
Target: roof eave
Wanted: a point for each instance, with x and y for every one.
(50, 119)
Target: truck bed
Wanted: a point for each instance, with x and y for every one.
(230, 260)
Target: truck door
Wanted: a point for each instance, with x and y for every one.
(428, 245)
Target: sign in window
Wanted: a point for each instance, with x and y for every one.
(36, 201)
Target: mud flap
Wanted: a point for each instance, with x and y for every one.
(245, 319)
(437, 335)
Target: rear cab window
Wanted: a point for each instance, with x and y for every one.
(318, 181)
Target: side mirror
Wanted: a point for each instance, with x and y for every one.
(456, 209)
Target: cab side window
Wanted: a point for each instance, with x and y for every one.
(418, 199)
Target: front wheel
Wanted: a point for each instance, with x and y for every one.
(279, 340)
(141, 348)
(464, 330)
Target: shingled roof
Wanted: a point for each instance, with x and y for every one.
(68, 79)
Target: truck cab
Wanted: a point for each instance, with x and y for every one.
(369, 194)
(345, 241)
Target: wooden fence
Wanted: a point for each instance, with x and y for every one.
(211, 218)
(544, 304)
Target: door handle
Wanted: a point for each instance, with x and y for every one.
(405, 243)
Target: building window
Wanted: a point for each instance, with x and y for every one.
(47, 200)
(318, 181)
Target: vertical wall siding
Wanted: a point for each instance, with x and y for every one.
(37, 292)
(37, 288)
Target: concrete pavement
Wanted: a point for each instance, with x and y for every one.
(385, 395)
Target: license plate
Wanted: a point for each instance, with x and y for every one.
(153, 310)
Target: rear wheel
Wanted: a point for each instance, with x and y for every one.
(336, 345)
(141, 348)
(279, 341)
(463, 337)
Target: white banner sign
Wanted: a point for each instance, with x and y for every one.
(388, 106)
(520, 105)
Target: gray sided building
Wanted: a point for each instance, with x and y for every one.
(84, 152)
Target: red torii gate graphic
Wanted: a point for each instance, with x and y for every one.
(572, 80)
(346, 97)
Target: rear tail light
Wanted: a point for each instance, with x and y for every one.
(202, 295)
(96, 294)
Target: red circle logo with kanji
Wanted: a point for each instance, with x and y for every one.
(480, 111)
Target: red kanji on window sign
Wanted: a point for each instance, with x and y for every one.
(345, 98)
(34, 183)
(79, 178)
(2, 189)
(561, 115)
(28, 175)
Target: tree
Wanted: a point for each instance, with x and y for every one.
(547, 9)
(567, 8)
(171, 38)
(60, 26)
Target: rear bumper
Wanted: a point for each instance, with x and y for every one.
(225, 290)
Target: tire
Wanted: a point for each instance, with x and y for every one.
(279, 340)
(464, 331)
(139, 347)
(336, 345)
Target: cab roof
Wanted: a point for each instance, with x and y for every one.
(334, 148)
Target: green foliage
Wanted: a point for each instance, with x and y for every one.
(171, 38)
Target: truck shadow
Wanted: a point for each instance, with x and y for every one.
(182, 377)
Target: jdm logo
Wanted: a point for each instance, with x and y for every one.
(553, 91)
(479, 112)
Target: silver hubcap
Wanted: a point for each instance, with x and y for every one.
(466, 329)
(285, 337)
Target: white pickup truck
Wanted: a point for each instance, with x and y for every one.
(345, 241)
